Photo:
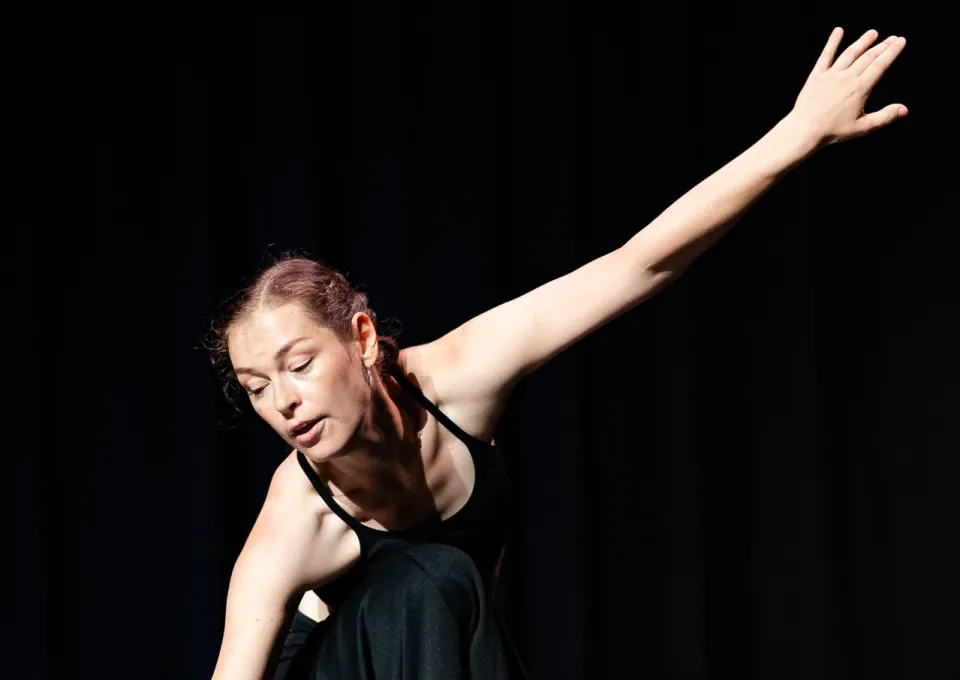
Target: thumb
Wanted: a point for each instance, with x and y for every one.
(878, 119)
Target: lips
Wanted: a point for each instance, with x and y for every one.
(304, 427)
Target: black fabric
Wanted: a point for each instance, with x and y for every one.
(296, 638)
(478, 528)
(420, 612)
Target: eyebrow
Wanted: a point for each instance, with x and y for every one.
(276, 357)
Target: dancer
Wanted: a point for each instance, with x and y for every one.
(386, 521)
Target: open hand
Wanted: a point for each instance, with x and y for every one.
(831, 103)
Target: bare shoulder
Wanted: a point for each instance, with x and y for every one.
(474, 368)
(292, 504)
(293, 533)
(436, 369)
(291, 489)
(427, 366)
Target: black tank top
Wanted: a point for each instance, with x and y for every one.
(478, 528)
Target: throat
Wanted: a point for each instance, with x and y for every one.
(395, 496)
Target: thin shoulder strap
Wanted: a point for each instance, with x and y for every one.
(434, 409)
(325, 493)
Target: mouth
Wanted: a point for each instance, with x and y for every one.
(306, 433)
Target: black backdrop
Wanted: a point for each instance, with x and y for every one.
(750, 475)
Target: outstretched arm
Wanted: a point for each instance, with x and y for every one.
(829, 109)
(474, 367)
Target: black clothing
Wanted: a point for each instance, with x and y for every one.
(418, 613)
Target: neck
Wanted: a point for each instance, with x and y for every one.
(385, 447)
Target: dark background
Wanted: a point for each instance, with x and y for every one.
(753, 474)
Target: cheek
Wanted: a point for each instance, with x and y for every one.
(345, 393)
(335, 378)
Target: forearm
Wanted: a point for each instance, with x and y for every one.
(261, 601)
(696, 220)
(253, 651)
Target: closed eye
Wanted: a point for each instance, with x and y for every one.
(302, 367)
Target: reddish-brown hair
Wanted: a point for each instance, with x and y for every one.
(323, 293)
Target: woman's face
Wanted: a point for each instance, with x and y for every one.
(302, 378)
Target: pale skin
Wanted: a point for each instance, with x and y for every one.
(388, 462)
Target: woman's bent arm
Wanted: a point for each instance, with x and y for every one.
(260, 605)
(284, 556)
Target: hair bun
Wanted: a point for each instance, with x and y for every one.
(389, 354)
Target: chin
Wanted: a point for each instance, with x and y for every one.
(318, 453)
(322, 451)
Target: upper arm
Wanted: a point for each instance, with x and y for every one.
(475, 366)
(283, 556)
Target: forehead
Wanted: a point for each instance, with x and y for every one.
(257, 338)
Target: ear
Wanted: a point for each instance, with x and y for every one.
(366, 336)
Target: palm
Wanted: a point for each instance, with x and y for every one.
(833, 98)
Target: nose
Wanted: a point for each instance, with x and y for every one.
(285, 399)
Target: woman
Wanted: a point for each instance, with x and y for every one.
(386, 520)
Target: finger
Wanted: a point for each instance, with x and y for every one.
(878, 119)
(830, 49)
(879, 66)
(861, 64)
(855, 49)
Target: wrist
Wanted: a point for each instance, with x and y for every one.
(797, 136)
